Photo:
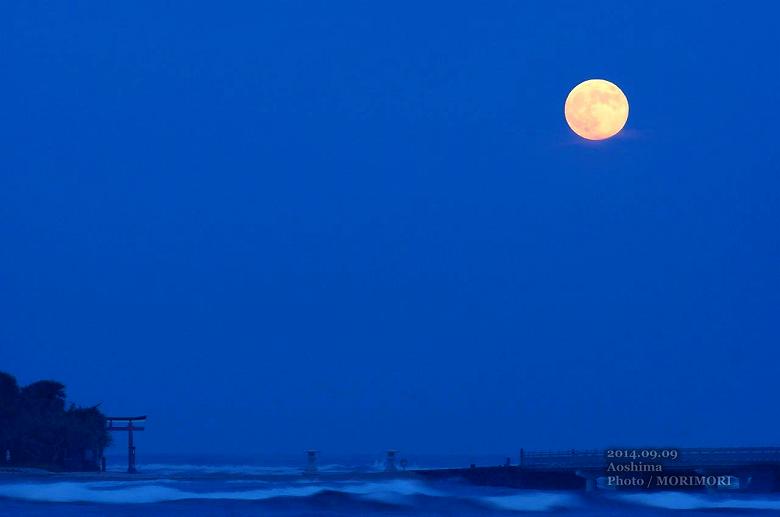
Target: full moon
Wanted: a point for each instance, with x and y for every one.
(596, 109)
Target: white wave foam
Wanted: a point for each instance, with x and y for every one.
(683, 501)
(397, 492)
(126, 482)
(183, 468)
(334, 467)
(398, 486)
(531, 501)
(101, 492)
(187, 468)
(66, 492)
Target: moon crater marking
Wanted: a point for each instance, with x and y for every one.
(596, 109)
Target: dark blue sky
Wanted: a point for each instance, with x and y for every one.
(359, 225)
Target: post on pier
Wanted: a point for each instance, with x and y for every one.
(590, 477)
(390, 461)
(311, 461)
(126, 424)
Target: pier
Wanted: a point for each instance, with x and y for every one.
(599, 459)
(741, 468)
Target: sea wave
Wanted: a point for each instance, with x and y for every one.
(399, 493)
(685, 501)
(187, 468)
(529, 501)
(178, 468)
(132, 492)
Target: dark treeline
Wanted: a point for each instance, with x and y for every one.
(36, 429)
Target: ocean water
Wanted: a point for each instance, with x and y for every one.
(270, 487)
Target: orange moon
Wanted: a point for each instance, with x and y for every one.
(596, 109)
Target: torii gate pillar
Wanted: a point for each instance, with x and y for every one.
(129, 427)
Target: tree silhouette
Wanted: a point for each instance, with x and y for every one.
(9, 401)
(36, 430)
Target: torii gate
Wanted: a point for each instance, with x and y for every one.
(129, 427)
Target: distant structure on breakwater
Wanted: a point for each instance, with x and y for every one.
(690, 469)
(745, 468)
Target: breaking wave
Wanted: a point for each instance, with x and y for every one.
(396, 493)
(139, 492)
(408, 494)
(254, 470)
(533, 501)
(685, 501)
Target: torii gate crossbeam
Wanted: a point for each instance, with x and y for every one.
(129, 427)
